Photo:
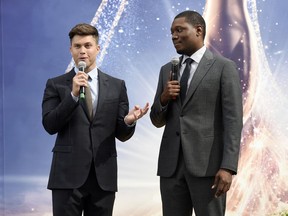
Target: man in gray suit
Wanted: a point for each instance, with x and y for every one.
(202, 113)
(83, 176)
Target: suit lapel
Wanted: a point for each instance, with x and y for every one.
(178, 100)
(202, 69)
(69, 78)
(103, 89)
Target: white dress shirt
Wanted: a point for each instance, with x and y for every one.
(94, 87)
(197, 56)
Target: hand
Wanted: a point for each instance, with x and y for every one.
(222, 182)
(80, 79)
(171, 91)
(135, 114)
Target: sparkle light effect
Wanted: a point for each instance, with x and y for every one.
(105, 25)
(260, 188)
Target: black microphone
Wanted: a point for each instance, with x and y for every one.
(81, 67)
(175, 68)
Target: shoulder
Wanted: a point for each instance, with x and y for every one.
(166, 68)
(104, 76)
(217, 57)
(63, 77)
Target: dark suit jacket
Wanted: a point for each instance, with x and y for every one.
(208, 124)
(79, 141)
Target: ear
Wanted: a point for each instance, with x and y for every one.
(98, 48)
(199, 30)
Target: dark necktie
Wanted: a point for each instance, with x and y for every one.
(88, 98)
(184, 79)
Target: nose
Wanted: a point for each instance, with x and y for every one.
(82, 50)
(174, 36)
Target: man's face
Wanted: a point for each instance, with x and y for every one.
(186, 38)
(85, 48)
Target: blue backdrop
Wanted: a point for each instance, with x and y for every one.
(136, 42)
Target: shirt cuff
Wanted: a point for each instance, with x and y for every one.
(74, 97)
(130, 125)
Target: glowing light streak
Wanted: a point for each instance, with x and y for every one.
(99, 12)
(103, 23)
(110, 34)
(260, 187)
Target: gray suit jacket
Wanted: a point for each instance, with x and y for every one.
(208, 125)
(79, 141)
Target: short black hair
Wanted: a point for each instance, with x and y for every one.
(194, 18)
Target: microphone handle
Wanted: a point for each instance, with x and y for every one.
(174, 75)
(82, 92)
(82, 88)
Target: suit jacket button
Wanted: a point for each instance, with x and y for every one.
(177, 133)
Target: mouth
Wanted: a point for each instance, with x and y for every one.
(82, 59)
(177, 44)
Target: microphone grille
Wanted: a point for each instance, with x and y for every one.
(82, 64)
(175, 61)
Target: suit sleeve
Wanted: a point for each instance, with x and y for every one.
(57, 106)
(231, 96)
(158, 113)
(123, 131)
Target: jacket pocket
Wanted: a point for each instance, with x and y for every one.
(64, 149)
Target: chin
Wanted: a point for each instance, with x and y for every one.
(179, 51)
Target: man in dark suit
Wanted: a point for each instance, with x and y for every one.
(202, 114)
(83, 176)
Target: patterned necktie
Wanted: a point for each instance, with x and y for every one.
(184, 79)
(88, 98)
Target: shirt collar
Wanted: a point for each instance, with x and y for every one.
(197, 56)
(93, 74)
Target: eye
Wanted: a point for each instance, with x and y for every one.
(88, 46)
(77, 46)
(179, 30)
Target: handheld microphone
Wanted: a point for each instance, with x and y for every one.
(175, 68)
(81, 67)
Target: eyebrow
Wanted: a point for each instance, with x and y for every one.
(87, 43)
(178, 26)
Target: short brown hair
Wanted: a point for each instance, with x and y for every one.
(84, 29)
